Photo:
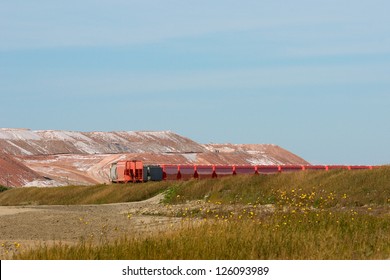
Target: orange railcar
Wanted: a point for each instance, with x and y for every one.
(127, 171)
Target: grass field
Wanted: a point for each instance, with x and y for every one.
(288, 236)
(77, 195)
(315, 215)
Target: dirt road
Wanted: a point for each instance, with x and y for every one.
(25, 227)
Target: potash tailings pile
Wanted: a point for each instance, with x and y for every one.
(58, 158)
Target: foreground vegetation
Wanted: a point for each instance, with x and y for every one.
(323, 235)
(305, 215)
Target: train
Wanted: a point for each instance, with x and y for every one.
(135, 171)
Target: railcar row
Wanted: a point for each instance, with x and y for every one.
(135, 171)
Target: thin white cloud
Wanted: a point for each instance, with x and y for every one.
(48, 24)
(229, 81)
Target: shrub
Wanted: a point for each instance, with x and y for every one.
(3, 189)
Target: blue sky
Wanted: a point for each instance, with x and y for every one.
(310, 76)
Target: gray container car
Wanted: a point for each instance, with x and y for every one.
(153, 173)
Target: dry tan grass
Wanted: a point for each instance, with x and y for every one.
(312, 215)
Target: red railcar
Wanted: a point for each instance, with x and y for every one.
(136, 171)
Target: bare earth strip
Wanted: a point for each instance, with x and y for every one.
(26, 227)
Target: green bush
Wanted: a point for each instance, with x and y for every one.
(3, 189)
